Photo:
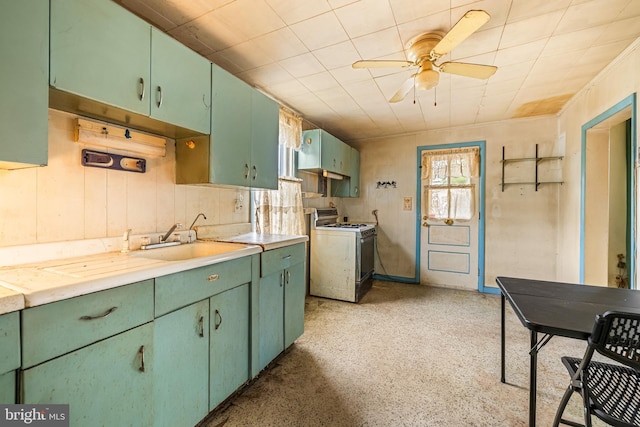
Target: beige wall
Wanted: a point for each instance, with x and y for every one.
(521, 224)
(619, 80)
(66, 201)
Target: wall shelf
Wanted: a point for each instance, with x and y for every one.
(535, 159)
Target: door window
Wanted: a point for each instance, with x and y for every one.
(447, 183)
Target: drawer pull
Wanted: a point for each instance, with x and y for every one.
(286, 257)
(217, 323)
(213, 277)
(141, 92)
(141, 351)
(288, 277)
(201, 326)
(102, 316)
(281, 279)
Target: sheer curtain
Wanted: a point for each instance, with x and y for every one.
(280, 211)
(447, 182)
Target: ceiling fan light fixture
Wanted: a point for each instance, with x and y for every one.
(427, 79)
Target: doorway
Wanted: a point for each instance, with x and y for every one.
(608, 248)
(450, 244)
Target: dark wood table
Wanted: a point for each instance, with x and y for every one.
(562, 309)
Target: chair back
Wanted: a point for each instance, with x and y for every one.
(617, 335)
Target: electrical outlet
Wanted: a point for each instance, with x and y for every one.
(239, 200)
(407, 204)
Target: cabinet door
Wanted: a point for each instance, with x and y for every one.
(230, 154)
(354, 173)
(180, 84)
(271, 316)
(24, 102)
(8, 388)
(264, 141)
(329, 152)
(294, 294)
(308, 158)
(229, 326)
(9, 341)
(181, 361)
(103, 383)
(102, 52)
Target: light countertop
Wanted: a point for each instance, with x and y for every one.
(266, 241)
(29, 285)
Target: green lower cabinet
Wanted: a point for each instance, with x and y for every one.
(229, 332)
(294, 294)
(106, 383)
(8, 387)
(271, 312)
(181, 357)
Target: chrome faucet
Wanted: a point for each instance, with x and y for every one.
(171, 230)
(194, 221)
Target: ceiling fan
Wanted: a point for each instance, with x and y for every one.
(425, 49)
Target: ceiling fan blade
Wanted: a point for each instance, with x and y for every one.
(382, 63)
(467, 25)
(476, 71)
(404, 90)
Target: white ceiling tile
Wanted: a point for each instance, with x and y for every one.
(378, 44)
(345, 75)
(365, 93)
(529, 30)
(631, 10)
(407, 10)
(319, 81)
(338, 55)
(257, 18)
(292, 11)
(163, 18)
(497, 10)
(525, 9)
(519, 54)
(288, 89)
(569, 42)
(280, 44)
(365, 17)
(266, 75)
(302, 65)
(622, 30)
(186, 37)
(424, 24)
(320, 31)
(590, 14)
(247, 55)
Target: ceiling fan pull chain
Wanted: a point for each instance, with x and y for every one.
(435, 96)
(414, 89)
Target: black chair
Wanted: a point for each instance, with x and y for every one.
(609, 391)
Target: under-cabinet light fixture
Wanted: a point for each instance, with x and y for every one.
(332, 175)
(98, 134)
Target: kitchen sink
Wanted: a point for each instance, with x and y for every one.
(184, 252)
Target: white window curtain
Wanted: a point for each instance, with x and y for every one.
(448, 189)
(280, 211)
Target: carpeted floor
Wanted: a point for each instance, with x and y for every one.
(406, 355)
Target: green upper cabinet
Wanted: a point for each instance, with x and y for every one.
(322, 151)
(349, 187)
(24, 47)
(264, 141)
(243, 147)
(181, 84)
(102, 52)
(230, 153)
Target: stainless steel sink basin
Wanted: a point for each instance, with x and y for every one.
(184, 252)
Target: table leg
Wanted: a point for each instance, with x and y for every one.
(533, 373)
(502, 368)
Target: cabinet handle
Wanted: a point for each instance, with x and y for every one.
(213, 277)
(286, 257)
(201, 326)
(141, 351)
(141, 89)
(217, 323)
(102, 316)
(246, 171)
(288, 277)
(160, 100)
(255, 172)
(281, 279)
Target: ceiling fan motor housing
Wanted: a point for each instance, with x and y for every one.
(419, 48)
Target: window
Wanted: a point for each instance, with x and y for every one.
(448, 190)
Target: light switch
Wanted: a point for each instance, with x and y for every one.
(408, 204)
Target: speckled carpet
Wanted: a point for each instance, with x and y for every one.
(406, 355)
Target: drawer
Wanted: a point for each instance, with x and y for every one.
(181, 289)
(9, 341)
(54, 329)
(281, 258)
